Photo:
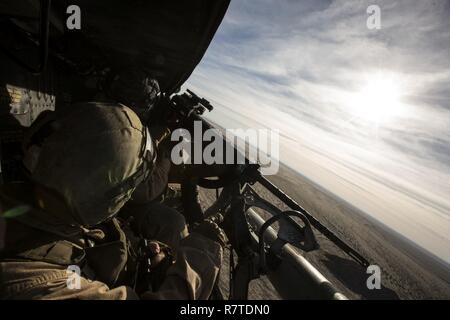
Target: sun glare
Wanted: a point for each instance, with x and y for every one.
(378, 100)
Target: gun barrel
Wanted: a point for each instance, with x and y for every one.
(314, 222)
(290, 273)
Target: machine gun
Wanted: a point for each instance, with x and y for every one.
(256, 247)
(66, 60)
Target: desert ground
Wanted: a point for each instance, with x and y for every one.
(408, 272)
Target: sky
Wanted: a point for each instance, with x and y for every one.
(365, 113)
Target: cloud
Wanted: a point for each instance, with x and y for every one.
(295, 65)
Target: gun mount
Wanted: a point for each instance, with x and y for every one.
(259, 248)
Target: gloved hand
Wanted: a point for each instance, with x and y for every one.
(155, 258)
(158, 251)
(211, 230)
(159, 134)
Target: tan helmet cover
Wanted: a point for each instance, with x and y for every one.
(95, 148)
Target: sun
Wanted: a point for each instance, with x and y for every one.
(379, 99)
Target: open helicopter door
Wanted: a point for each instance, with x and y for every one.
(45, 65)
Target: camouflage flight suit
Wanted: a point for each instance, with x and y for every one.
(34, 263)
(86, 171)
